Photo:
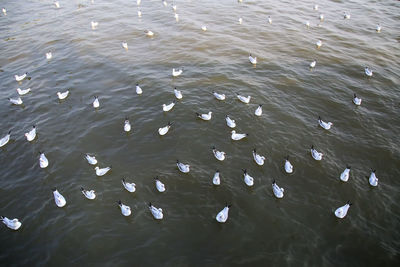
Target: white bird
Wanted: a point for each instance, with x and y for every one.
(344, 176)
(4, 11)
(240, 20)
(139, 13)
(102, 171)
(318, 43)
(315, 154)
(96, 102)
(23, 91)
(173, 7)
(342, 211)
(176, 72)
(230, 122)
(57, 4)
(368, 72)
(378, 28)
(204, 28)
(216, 179)
(176, 16)
(315, 7)
(19, 78)
(159, 185)
(278, 191)
(323, 124)
(219, 155)
(16, 101)
(139, 90)
(269, 20)
(206, 116)
(238, 136)
(127, 125)
(219, 96)
(164, 130)
(258, 158)
(14, 224)
(5, 139)
(346, 15)
(248, 180)
(253, 60)
(138, 2)
(185, 168)
(91, 159)
(356, 100)
(288, 165)
(89, 194)
(131, 187)
(156, 212)
(243, 99)
(94, 24)
(178, 94)
(31, 134)
(168, 107)
(49, 55)
(222, 216)
(149, 33)
(125, 210)
(43, 161)
(165, 3)
(124, 45)
(307, 24)
(313, 63)
(58, 198)
(321, 17)
(63, 95)
(373, 180)
(258, 111)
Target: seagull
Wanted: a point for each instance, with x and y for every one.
(14, 224)
(156, 212)
(165, 3)
(346, 15)
(288, 165)
(258, 158)
(4, 11)
(149, 33)
(58, 198)
(31, 134)
(219, 96)
(16, 101)
(168, 107)
(131, 187)
(342, 211)
(57, 4)
(323, 124)
(23, 92)
(315, 7)
(89, 194)
(321, 17)
(164, 130)
(173, 7)
(249, 181)
(368, 72)
(159, 185)
(176, 72)
(230, 122)
(20, 78)
(206, 116)
(91, 159)
(127, 125)
(176, 16)
(278, 191)
(94, 24)
(319, 43)
(102, 171)
(185, 168)
(307, 24)
(378, 28)
(63, 95)
(240, 20)
(204, 28)
(315, 154)
(216, 179)
(125, 210)
(139, 90)
(178, 94)
(269, 20)
(49, 55)
(5, 139)
(43, 161)
(253, 60)
(344, 176)
(138, 2)
(258, 111)
(219, 155)
(243, 99)
(222, 216)
(373, 180)
(124, 45)
(96, 103)
(356, 100)
(139, 13)
(238, 136)
(313, 63)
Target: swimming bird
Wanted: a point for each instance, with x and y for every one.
(176, 16)
(315, 154)
(342, 211)
(346, 15)
(318, 43)
(373, 180)
(253, 60)
(243, 99)
(315, 7)
(178, 94)
(258, 111)
(248, 180)
(206, 116)
(219, 96)
(139, 13)
(258, 158)
(149, 33)
(16, 101)
(164, 3)
(5, 139)
(91, 159)
(58, 198)
(89, 194)
(131, 187)
(127, 125)
(139, 90)
(164, 130)
(94, 24)
(173, 7)
(13, 224)
(313, 63)
(216, 179)
(278, 191)
(49, 55)
(31, 134)
(125, 209)
(204, 28)
(185, 168)
(96, 102)
(159, 185)
(102, 171)
(124, 45)
(222, 216)
(43, 161)
(344, 176)
(269, 20)
(4, 11)
(238, 136)
(307, 24)
(63, 95)
(176, 72)
(156, 212)
(219, 155)
(356, 100)
(368, 72)
(168, 107)
(19, 78)
(230, 122)
(323, 124)
(288, 165)
(138, 2)
(23, 91)
(321, 17)
(240, 20)
(57, 4)
(378, 28)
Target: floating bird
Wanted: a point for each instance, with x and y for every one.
(278, 191)
(269, 20)
(206, 116)
(149, 33)
(14, 224)
(5, 139)
(258, 111)
(178, 94)
(342, 211)
(185, 168)
(127, 125)
(156, 212)
(168, 107)
(63, 95)
(219, 155)
(346, 15)
(57, 4)
(16, 101)
(318, 43)
(378, 28)
(102, 171)
(94, 24)
(373, 180)
(173, 7)
(368, 72)
(315, 154)
(204, 28)
(4, 11)
(125, 210)
(313, 63)
(258, 158)
(20, 78)
(219, 96)
(139, 90)
(230, 122)
(96, 102)
(131, 187)
(23, 92)
(321, 17)
(89, 194)
(91, 159)
(243, 99)
(248, 180)
(176, 16)
(323, 124)
(164, 130)
(238, 136)
(307, 24)
(164, 3)
(43, 161)
(58, 198)
(288, 165)
(356, 100)
(222, 216)
(138, 2)
(176, 72)
(124, 45)
(253, 60)
(31, 134)
(216, 179)
(159, 185)
(344, 176)
(49, 55)
(315, 7)
(240, 20)
(139, 13)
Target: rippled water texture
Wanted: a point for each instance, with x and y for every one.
(298, 230)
